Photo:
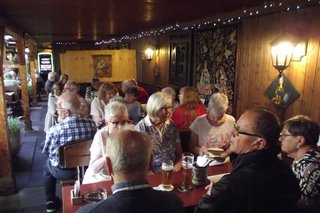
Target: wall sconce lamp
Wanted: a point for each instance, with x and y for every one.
(281, 52)
(153, 48)
(285, 51)
(149, 54)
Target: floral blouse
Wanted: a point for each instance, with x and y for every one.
(163, 141)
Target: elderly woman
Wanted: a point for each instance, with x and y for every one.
(164, 133)
(212, 129)
(105, 92)
(299, 138)
(116, 116)
(189, 109)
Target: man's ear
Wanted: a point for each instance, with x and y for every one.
(260, 144)
(109, 166)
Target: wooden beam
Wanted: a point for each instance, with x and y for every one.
(7, 184)
(24, 87)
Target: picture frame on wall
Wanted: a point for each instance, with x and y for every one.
(179, 67)
(102, 65)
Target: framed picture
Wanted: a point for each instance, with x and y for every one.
(102, 65)
(179, 67)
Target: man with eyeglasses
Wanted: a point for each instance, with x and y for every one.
(70, 128)
(259, 181)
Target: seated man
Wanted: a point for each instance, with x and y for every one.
(259, 181)
(70, 128)
(129, 155)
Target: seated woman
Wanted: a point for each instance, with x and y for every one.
(162, 130)
(189, 109)
(116, 116)
(299, 138)
(105, 92)
(50, 119)
(213, 129)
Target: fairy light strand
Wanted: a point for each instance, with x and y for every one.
(267, 8)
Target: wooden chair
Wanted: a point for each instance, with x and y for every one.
(185, 137)
(75, 154)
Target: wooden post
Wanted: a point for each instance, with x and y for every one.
(32, 55)
(7, 183)
(24, 90)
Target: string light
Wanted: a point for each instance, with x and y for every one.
(267, 8)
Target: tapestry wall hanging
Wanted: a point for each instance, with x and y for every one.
(215, 62)
(102, 65)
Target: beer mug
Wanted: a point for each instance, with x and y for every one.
(187, 162)
(167, 170)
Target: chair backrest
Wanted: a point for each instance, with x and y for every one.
(75, 154)
(185, 137)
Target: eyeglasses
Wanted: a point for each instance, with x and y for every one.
(166, 108)
(247, 133)
(283, 135)
(117, 123)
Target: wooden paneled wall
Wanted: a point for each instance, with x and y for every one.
(255, 71)
(79, 64)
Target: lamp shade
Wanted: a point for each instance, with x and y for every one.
(281, 53)
(149, 54)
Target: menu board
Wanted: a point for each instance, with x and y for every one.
(45, 62)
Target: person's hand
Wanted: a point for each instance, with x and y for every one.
(209, 187)
(203, 150)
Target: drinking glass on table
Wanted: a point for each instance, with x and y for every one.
(187, 162)
(167, 170)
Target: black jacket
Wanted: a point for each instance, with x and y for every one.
(258, 183)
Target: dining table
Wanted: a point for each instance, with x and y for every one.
(189, 199)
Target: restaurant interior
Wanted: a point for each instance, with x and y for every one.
(216, 46)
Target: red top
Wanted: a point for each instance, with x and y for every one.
(143, 95)
(178, 115)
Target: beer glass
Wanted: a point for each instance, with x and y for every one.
(187, 162)
(167, 170)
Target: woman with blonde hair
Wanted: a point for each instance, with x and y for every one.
(105, 92)
(212, 129)
(164, 133)
(189, 109)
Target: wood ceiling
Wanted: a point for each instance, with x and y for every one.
(92, 20)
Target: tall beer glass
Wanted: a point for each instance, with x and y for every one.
(187, 162)
(167, 170)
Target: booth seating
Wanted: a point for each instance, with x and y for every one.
(75, 154)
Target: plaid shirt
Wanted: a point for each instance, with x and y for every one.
(70, 129)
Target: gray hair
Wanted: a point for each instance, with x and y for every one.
(155, 102)
(169, 91)
(219, 102)
(129, 151)
(69, 101)
(53, 74)
(115, 108)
